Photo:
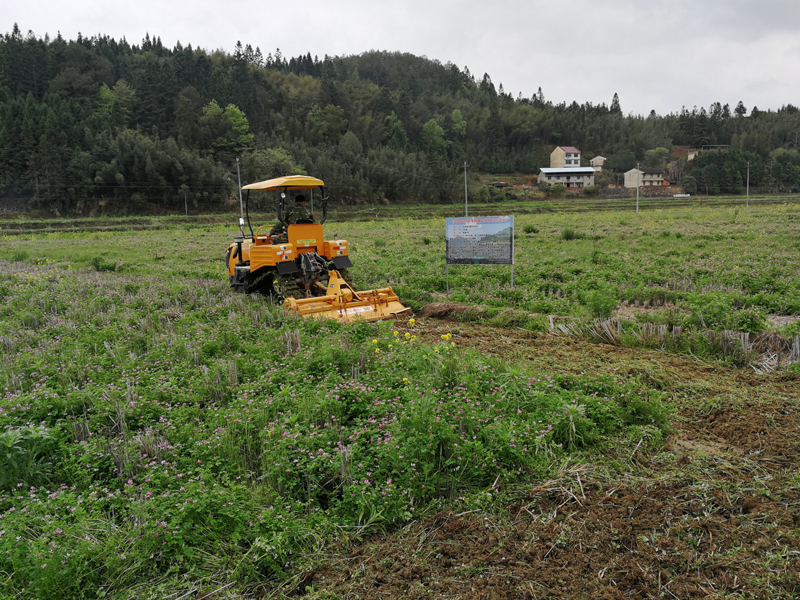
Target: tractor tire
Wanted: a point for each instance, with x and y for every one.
(227, 265)
(285, 286)
(259, 283)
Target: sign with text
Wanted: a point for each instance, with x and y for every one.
(480, 241)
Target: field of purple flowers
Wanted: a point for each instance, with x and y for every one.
(160, 434)
(157, 434)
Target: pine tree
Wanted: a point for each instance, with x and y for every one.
(615, 108)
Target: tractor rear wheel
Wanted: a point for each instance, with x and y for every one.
(285, 286)
(259, 283)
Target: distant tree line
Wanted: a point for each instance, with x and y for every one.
(96, 124)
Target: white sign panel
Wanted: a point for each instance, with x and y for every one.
(480, 241)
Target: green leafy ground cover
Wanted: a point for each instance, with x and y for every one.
(723, 267)
(158, 429)
(161, 430)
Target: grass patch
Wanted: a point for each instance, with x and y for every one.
(568, 234)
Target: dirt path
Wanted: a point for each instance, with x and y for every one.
(715, 513)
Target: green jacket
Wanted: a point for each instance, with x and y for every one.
(297, 212)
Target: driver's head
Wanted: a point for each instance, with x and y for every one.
(299, 199)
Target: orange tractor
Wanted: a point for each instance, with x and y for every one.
(293, 264)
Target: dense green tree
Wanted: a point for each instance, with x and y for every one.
(433, 138)
(689, 184)
(656, 158)
(226, 132)
(117, 102)
(396, 136)
(325, 125)
(615, 107)
(99, 124)
(458, 125)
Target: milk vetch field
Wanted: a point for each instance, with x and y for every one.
(623, 422)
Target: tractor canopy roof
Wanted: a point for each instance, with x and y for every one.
(294, 182)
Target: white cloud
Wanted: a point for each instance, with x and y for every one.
(657, 54)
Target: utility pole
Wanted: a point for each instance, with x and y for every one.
(241, 203)
(747, 201)
(638, 183)
(466, 211)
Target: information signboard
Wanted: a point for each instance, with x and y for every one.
(480, 241)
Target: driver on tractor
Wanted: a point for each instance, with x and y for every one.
(298, 212)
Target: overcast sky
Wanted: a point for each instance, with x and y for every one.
(655, 54)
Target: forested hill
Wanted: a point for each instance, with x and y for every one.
(101, 125)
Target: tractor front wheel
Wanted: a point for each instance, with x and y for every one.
(227, 265)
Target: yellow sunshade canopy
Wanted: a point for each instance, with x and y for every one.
(297, 182)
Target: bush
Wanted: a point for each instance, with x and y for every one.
(750, 319)
(710, 312)
(557, 190)
(19, 256)
(530, 229)
(601, 303)
(23, 454)
(591, 190)
(101, 264)
(572, 428)
(568, 234)
(725, 312)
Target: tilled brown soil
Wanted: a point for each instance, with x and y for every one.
(715, 513)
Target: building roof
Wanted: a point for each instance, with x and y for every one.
(709, 146)
(567, 170)
(570, 149)
(648, 171)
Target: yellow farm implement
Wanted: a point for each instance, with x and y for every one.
(294, 265)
